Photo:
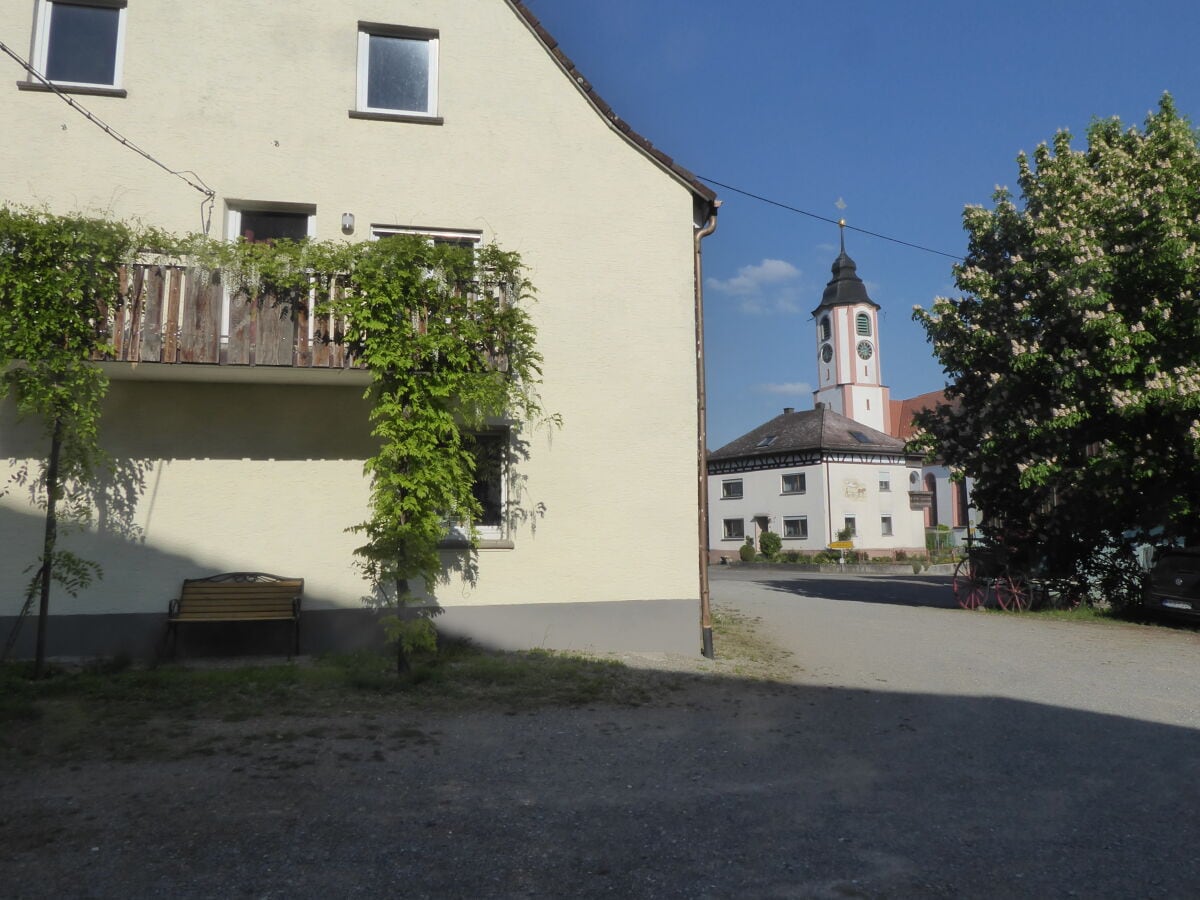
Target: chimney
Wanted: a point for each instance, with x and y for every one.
(788, 410)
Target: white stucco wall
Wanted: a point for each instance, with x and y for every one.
(833, 491)
(255, 98)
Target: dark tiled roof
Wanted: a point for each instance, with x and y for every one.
(811, 429)
(845, 287)
(698, 187)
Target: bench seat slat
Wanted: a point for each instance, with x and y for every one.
(238, 597)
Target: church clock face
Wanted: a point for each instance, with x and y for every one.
(826, 352)
(865, 349)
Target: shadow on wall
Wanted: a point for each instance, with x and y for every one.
(150, 578)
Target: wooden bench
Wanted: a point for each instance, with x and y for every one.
(237, 597)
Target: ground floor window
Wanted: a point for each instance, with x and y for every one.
(885, 526)
(795, 527)
(733, 529)
(851, 526)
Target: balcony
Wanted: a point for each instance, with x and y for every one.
(185, 321)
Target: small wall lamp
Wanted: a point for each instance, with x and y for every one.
(348, 223)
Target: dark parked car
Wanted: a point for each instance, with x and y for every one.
(1174, 586)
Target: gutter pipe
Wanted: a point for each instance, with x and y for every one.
(706, 635)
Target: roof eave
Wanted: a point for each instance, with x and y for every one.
(698, 188)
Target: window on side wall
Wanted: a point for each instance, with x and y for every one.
(885, 482)
(852, 526)
(733, 529)
(795, 527)
(885, 526)
(792, 483)
(397, 72)
(731, 489)
(490, 449)
(80, 43)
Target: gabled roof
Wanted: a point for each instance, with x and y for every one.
(812, 429)
(903, 411)
(698, 187)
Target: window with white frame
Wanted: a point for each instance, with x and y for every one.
(263, 222)
(80, 43)
(491, 451)
(792, 483)
(457, 237)
(795, 527)
(397, 71)
(733, 529)
(885, 526)
(885, 482)
(731, 489)
(851, 526)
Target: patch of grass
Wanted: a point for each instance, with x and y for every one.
(128, 713)
(741, 648)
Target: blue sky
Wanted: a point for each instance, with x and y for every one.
(904, 111)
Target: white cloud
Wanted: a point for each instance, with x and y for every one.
(786, 387)
(772, 285)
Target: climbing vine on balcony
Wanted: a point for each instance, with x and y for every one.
(56, 272)
(443, 329)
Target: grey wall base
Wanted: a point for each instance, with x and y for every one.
(670, 626)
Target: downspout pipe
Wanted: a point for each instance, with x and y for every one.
(706, 635)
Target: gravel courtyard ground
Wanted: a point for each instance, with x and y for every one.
(907, 749)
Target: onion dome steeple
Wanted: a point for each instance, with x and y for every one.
(845, 288)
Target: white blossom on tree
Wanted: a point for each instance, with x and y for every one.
(1073, 354)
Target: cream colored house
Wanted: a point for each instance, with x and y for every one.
(455, 118)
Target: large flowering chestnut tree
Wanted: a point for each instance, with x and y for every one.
(1073, 353)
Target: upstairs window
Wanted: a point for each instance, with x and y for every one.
(792, 483)
(732, 489)
(80, 44)
(826, 329)
(397, 71)
(885, 482)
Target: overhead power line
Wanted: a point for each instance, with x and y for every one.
(186, 175)
(813, 215)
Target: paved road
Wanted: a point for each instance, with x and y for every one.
(921, 751)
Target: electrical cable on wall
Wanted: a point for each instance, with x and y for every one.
(194, 181)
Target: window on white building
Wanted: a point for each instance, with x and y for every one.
(885, 526)
(885, 482)
(733, 529)
(731, 489)
(80, 43)
(397, 70)
(851, 526)
(795, 527)
(793, 483)
(490, 449)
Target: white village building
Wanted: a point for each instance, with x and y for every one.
(808, 475)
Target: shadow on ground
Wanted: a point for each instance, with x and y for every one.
(932, 591)
(721, 788)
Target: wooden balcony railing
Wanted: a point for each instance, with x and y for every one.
(173, 314)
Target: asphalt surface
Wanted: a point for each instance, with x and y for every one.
(917, 750)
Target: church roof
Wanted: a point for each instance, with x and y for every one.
(810, 429)
(845, 287)
(903, 411)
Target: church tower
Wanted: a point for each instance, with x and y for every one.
(848, 373)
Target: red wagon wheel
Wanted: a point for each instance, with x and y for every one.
(1012, 593)
(970, 587)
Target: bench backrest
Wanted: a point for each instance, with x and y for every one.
(224, 600)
